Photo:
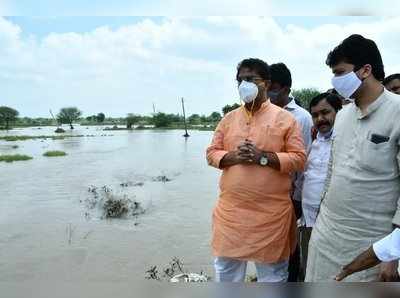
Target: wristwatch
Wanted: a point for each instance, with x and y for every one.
(264, 159)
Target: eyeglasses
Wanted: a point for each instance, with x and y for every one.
(249, 78)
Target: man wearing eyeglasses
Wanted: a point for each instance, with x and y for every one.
(256, 146)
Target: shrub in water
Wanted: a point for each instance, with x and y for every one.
(15, 157)
(54, 153)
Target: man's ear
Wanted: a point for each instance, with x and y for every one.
(366, 71)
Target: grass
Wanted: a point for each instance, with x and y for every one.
(24, 137)
(54, 153)
(14, 157)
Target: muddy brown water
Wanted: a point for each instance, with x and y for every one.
(45, 233)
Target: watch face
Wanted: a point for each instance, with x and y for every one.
(263, 161)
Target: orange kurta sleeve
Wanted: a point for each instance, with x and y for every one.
(215, 152)
(294, 158)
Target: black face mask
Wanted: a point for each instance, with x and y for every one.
(273, 95)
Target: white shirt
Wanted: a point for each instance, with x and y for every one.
(315, 176)
(304, 119)
(388, 249)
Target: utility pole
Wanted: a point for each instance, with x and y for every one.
(154, 108)
(186, 135)
(59, 129)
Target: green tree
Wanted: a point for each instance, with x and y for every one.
(226, 109)
(163, 120)
(132, 119)
(194, 119)
(69, 115)
(305, 95)
(8, 115)
(175, 118)
(214, 117)
(100, 117)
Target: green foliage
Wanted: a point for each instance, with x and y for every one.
(54, 153)
(14, 157)
(132, 119)
(100, 117)
(68, 115)
(194, 119)
(24, 138)
(26, 121)
(7, 116)
(215, 117)
(226, 109)
(165, 120)
(305, 95)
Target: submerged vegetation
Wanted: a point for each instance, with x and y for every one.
(43, 137)
(54, 153)
(14, 157)
(175, 272)
(25, 137)
(111, 204)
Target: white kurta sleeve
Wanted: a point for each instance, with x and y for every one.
(388, 249)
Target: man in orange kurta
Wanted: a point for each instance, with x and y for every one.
(257, 146)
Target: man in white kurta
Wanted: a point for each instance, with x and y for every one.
(360, 205)
(361, 200)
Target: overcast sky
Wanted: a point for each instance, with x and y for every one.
(119, 65)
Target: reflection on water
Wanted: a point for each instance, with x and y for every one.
(40, 198)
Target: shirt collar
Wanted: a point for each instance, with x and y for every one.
(263, 107)
(291, 105)
(326, 136)
(374, 106)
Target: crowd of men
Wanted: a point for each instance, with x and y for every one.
(311, 194)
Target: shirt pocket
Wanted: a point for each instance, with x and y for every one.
(378, 158)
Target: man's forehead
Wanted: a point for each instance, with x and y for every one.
(321, 105)
(342, 65)
(394, 82)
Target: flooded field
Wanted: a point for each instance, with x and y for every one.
(49, 232)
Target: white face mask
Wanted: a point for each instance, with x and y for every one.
(346, 84)
(248, 91)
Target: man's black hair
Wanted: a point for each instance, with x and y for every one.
(281, 74)
(388, 79)
(257, 65)
(358, 51)
(333, 99)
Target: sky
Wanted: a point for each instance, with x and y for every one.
(197, 8)
(124, 64)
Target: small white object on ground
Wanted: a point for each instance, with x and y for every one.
(189, 277)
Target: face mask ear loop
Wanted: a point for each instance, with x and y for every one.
(249, 114)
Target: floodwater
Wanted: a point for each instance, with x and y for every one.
(46, 235)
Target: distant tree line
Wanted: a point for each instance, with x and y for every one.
(70, 115)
